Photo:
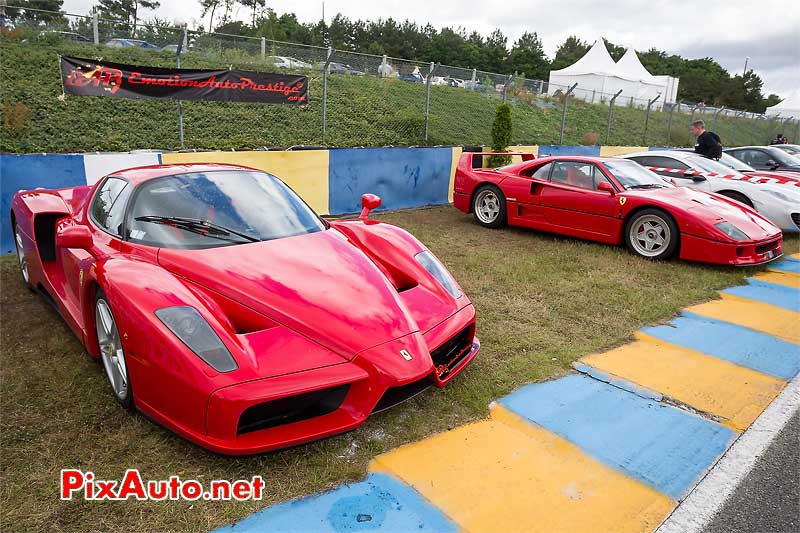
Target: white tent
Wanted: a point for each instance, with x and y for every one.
(789, 107)
(599, 78)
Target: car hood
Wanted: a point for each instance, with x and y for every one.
(319, 285)
(713, 209)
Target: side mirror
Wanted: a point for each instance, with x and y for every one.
(772, 164)
(699, 178)
(74, 237)
(607, 187)
(368, 203)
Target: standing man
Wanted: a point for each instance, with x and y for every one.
(708, 143)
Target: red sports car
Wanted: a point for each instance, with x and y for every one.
(225, 309)
(614, 200)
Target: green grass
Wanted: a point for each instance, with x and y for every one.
(363, 111)
(542, 301)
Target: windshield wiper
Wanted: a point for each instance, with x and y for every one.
(196, 225)
(648, 186)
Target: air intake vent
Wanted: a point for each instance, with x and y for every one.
(292, 409)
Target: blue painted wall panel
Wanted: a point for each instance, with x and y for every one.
(737, 344)
(378, 503)
(402, 177)
(787, 266)
(51, 171)
(770, 293)
(554, 149)
(665, 447)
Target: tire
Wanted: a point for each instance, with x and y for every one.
(23, 263)
(112, 354)
(489, 207)
(739, 197)
(652, 234)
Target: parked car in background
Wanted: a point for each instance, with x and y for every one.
(341, 68)
(224, 308)
(765, 158)
(171, 49)
(132, 43)
(615, 201)
(740, 166)
(780, 203)
(288, 62)
(6, 23)
(791, 149)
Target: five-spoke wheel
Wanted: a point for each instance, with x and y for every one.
(111, 352)
(489, 206)
(653, 234)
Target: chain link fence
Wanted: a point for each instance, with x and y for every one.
(355, 99)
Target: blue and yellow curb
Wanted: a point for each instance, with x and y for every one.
(615, 446)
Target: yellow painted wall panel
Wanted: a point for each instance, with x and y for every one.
(759, 316)
(305, 171)
(735, 393)
(610, 151)
(457, 150)
(788, 279)
(505, 474)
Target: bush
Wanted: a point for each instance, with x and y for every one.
(590, 139)
(501, 135)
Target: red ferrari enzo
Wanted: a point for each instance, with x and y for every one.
(613, 201)
(225, 309)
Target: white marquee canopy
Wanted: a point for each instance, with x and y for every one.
(789, 107)
(599, 78)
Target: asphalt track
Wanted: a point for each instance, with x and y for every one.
(658, 433)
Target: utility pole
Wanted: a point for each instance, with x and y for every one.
(746, 59)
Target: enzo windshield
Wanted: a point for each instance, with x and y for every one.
(632, 175)
(708, 165)
(219, 208)
(731, 162)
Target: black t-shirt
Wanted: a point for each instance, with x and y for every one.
(709, 145)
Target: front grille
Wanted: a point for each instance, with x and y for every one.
(292, 409)
(447, 356)
(796, 219)
(396, 395)
(764, 248)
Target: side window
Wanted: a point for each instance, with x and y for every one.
(541, 172)
(755, 157)
(108, 207)
(577, 174)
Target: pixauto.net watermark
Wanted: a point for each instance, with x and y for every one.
(79, 484)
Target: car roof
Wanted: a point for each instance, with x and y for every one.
(137, 175)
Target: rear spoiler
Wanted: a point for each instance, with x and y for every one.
(466, 160)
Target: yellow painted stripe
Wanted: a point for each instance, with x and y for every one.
(505, 474)
(795, 256)
(610, 151)
(781, 278)
(305, 171)
(735, 393)
(790, 275)
(770, 319)
(457, 150)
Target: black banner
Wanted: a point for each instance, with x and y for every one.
(91, 78)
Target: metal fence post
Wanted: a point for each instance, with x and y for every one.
(610, 111)
(428, 98)
(564, 113)
(735, 123)
(716, 117)
(771, 127)
(647, 117)
(95, 27)
(691, 121)
(505, 86)
(325, 92)
(181, 44)
(669, 123)
(263, 49)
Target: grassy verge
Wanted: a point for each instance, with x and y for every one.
(362, 111)
(542, 302)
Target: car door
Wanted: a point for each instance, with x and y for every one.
(522, 193)
(678, 178)
(570, 200)
(758, 159)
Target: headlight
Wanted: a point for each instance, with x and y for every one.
(731, 231)
(192, 329)
(436, 269)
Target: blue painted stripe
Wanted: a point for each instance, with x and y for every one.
(557, 149)
(770, 293)
(787, 266)
(663, 446)
(379, 502)
(737, 344)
